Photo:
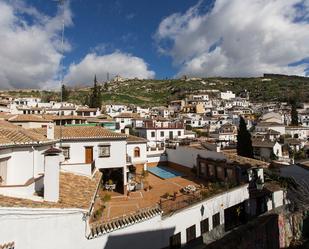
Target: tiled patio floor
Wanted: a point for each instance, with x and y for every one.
(121, 205)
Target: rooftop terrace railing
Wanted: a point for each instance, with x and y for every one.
(108, 226)
(184, 200)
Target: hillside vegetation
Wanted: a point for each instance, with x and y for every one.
(159, 92)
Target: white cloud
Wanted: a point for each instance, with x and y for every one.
(30, 45)
(252, 36)
(116, 63)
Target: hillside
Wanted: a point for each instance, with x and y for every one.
(159, 92)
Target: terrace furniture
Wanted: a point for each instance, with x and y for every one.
(110, 187)
(132, 186)
(189, 189)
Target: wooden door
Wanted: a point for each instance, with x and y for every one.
(88, 154)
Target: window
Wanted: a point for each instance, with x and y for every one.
(3, 171)
(162, 133)
(104, 150)
(175, 241)
(216, 220)
(179, 133)
(204, 226)
(191, 233)
(66, 152)
(137, 152)
(153, 134)
(171, 135)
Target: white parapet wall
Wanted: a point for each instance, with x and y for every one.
(67, 228)
(186, 155)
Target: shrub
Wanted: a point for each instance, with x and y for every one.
(166, 195)
(98, 213)
(106, 198)
(205, 194)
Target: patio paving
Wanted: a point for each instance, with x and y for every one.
(121, 205)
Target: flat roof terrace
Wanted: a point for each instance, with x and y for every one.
(167, 194)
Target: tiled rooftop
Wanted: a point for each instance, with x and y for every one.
(12, 135)
(82, 132)
(66, 117)
(75, 192)
(135, 139)
(128, 115)
(28, 118)
(245, 160)
(86, 109)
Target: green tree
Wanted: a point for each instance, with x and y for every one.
(95, 98)
(65, 93)
(294, 113)
(244, 143)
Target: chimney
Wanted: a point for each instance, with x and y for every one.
(127, 131)
(51, 174)
(50, 131)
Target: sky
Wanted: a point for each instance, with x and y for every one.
(149, 39)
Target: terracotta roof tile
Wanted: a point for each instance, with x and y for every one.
(84, 109)
(67, 117)
(75, 192)
(14, 135)
(134, 139)
(82, 132)
(128, 115)
(29, 118)
(245, 160)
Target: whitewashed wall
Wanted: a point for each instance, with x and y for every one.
(65, 229)
(186, 156)
(30, 125)
(24, 163)
(143, 152)
(117, 153)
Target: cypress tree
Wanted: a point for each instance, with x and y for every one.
(294, 114)
(95, 98)
(65, 93)
(244, 143)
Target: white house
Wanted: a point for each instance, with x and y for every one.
(21, 160)
(265, 126)
(266, 150)
(227, 95)
(156, 134)
(273, 117)
(88, 112)
(300, 132)
(125, 119)
(30, 120)
(86, 148)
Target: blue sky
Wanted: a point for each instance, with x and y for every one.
(125, 25)
(150, 39)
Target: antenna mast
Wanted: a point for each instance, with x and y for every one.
(61, 4)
